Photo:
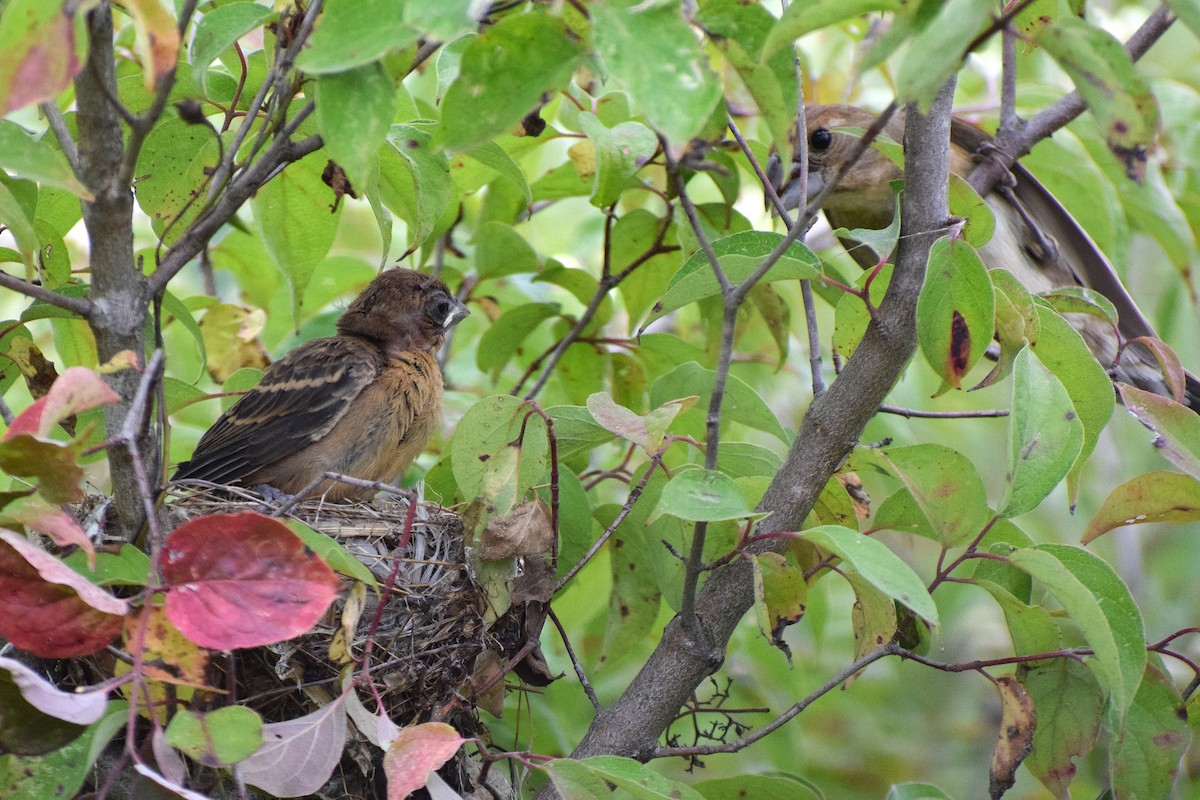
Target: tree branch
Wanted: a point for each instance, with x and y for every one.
(632, 725)
(76, 305)
(1012, 145)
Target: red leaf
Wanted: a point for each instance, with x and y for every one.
(77, 389)
(49, 609)
(243, 580)
(44, 59)
(415, 753)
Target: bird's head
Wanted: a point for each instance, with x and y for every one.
(863, 197)
(403, 309)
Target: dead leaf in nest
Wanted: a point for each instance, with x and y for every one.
(535, 583)
(524, 532)
(487, 666)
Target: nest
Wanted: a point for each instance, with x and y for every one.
(431, 631)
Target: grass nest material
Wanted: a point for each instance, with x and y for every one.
(430, 635)
(432, 628)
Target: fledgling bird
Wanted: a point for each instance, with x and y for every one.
(1036, 239)
(362, 403)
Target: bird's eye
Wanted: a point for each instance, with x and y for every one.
(820, 140)
(439, 308)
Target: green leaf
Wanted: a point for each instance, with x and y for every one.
(742, 459)
(799, 19)
(979, 222)
(489, 431)
(1031, 628)
(495, 158)
(955, 311)
(174, 168)
(500, 250)
(575, 523)
(1145, 754)
(741, 30)
(937, 51)
(739, 255)
(1069, 705)
(851, 317)
(878, 565)
(415, 181)
(581, 779)
(216, 738)
(219, 28)
(504, 71)
(128, 567)
(24, 156)
(1045, 436)
(14, 216)
(635, 600)
(776, 787)
(62, 772)
(780, 594)
(1107, 80)
(741, 402)
(1098, 601)
(331, 551)
(1176, 427)
(943, 484)
(1151, 497)
(292, 213)
(351, 33)
(1063, 351)
(654, 54)
(354, 114)
(576, 430)
(504, 338)
(1082, 300)
(1188, 12)
(702, 495)
(445, 19)
(916, 791)
(620, 152)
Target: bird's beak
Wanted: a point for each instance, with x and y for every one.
(787, 187)
(457, 313)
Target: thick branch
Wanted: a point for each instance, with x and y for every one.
(631, 726)
(118, 294)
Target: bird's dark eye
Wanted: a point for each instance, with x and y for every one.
(820, 140)
(438, 308)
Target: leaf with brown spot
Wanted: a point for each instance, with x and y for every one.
(1017, 723)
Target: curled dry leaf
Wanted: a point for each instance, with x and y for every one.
(526, 531)
(1017, 723)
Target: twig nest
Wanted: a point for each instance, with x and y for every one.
(430, 632)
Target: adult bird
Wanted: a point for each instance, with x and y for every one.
(1035, 239)
(362, 403)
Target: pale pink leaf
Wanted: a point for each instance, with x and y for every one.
(80, 708)
(298, 756)
(417, 751)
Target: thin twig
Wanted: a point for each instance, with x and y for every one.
(837, 680)
(912, 413)
(76, 305)
(58, 126)
(579, 673)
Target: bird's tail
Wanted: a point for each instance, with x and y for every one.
(1191, 392)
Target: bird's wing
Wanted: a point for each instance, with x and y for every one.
(298, 401)
(1077, 253)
